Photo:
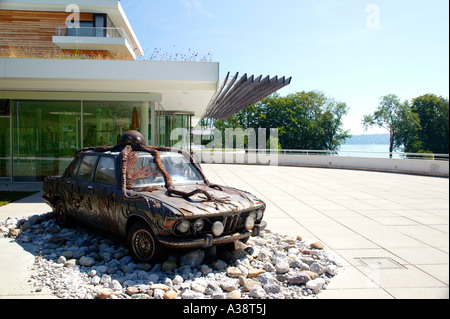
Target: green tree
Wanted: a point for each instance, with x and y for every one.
(433, 112)
(397, 118)
(331, 124)
(305, 120)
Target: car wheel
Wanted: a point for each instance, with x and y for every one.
(62, 218)
(142, 244)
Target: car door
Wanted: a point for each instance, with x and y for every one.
(85, 187)
(69, 188)
(105, 193)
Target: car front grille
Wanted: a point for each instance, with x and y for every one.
(231, 222)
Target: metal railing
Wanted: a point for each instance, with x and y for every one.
(92, 32)
(370, 154)
(373, 154)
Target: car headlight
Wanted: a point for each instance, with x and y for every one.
(217, 229)
(259, 214)
(198, 224)
(184, 226)
(252, 215)
(249, 223)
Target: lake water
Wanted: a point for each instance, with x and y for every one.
(366, 150)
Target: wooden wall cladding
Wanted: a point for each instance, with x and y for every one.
(33, 30)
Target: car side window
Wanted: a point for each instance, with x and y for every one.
(106, 171)
(73, 168)
(87, 167)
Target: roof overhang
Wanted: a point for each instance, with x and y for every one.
(111, 7)
(180, 86)
(235, 95)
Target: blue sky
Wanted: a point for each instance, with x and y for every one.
(354, 51)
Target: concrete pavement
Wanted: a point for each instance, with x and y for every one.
(389, 231)
(16, 261)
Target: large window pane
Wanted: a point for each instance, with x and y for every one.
(167, 122)
(46, 135)
(182, 137)
(161, 130)
(105, 122)
(5, 146)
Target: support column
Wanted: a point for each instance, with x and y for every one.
(144, 120)
(153, 124)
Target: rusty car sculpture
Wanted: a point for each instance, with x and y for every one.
(154, 197)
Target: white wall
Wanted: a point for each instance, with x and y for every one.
(437, 168)
(385, 164)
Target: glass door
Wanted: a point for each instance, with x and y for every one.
(99, 25)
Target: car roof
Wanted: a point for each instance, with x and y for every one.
(162, 153)
(115, 153)
(92, 152)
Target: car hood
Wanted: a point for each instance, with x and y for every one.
(224, 201)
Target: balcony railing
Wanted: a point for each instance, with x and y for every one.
(92, 32)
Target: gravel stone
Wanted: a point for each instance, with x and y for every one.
(300, 278)
(282, 267)
(171, 294)
(80, 264)
(193, 258)
(317, 268)
(86, 261)
(317, 245)
(315, 285)
(235, 294)
(257, 292)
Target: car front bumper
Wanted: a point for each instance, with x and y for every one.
(209, 240)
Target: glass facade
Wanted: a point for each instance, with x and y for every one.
(173, 129)
(5, 144)
(105, 122)
(38, 138)
(45, 136)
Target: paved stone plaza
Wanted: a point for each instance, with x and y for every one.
(389, 231)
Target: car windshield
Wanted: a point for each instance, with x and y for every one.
(179, 168)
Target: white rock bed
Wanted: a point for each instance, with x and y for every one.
(77, 263)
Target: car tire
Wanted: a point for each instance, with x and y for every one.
(142, 244)
(62, 218)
